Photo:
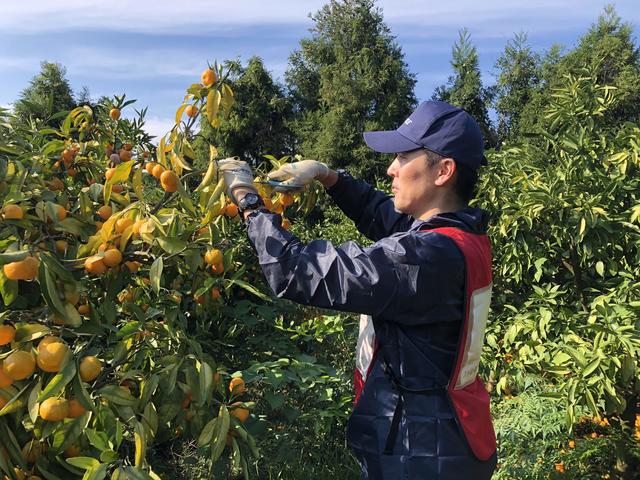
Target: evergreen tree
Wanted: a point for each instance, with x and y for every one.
(517, 79)
(257, 124)
(48, 93)
(464, 88)
(349, 77)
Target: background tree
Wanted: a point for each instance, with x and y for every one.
(48, 92)
(518, 77)
(350, 76)
(464, 88)
(258, 123)
(609, 50)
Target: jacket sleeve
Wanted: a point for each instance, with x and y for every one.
(384, 278)
(371, 210)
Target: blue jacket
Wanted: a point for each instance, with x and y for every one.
(411, 283)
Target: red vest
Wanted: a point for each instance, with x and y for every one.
(466, 390)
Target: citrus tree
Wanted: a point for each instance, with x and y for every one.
(566, 231)
(118, 259)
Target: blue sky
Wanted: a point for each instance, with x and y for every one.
(152, 50)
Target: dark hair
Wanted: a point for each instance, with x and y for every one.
(466, 178)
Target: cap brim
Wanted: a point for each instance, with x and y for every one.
(389, 142)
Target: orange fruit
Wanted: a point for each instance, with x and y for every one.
(117, 188)
(213, 256)
(72, 451)
(67, 155)
(90, 368)
(50, 356)
(31, 451)
(137, 225)
(61, 246)
(122, 224)
(200, 299)
(572, 444)
(286, 223)
(55, 184)
(19, 365)
(12, 212)
(84, 309)
(62, 213)
(75, 409)
(95, 265)
(240, 413)
(72, 297)
(125, 155)
(54, 409)
(112, 257)
(105, 211)
(132, 266)
(114, 113)
(157, 171)
(208, 77)
(109, 173)
(57, 320)
(48, 340)
(128, 147)
(7, 333)
(286, 199)
(5, 381)
(149, 166)
(237, 386)
(218, 268)
(191, 111)
(231, 210)
(215, 294)
(169, 181)
(26, 269)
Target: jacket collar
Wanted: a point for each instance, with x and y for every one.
(470, 219)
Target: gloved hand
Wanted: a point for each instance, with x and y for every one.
(299, 173)
(237, 175)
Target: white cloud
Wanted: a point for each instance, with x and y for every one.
(158, 126)
(198, 16)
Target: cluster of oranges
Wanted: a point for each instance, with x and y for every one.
(237, 410)
(168, 179)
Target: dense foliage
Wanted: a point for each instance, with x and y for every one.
(563, 344)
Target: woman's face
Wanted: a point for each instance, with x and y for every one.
(413, 182)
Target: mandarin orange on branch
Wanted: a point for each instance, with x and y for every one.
(208, 77)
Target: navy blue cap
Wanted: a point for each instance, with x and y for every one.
(439, 127)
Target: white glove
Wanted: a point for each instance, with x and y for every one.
(236, 174)
(299, 173)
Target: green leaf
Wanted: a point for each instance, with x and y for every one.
(60, 380)
(117, 395)
(140, 436)
(155, 274)
(213, 104)
(600, 268)
(84, 463)
(121, 174)
(8, 289)
(172, 245)
(221, 433)
(207, 433)
(27, 332)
